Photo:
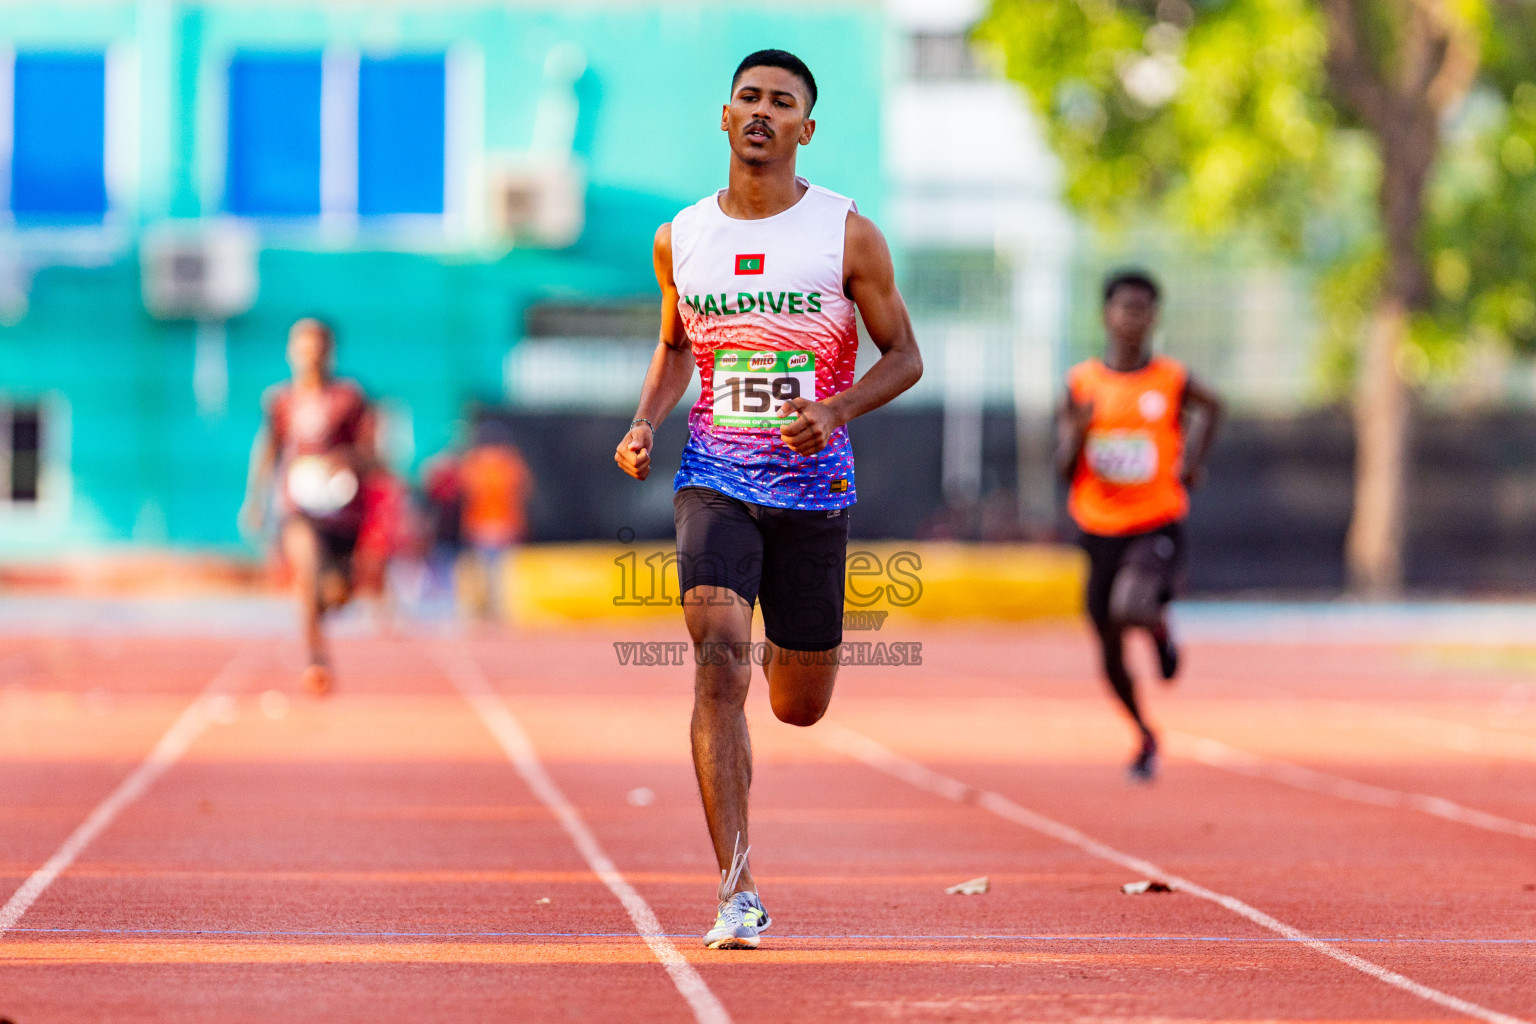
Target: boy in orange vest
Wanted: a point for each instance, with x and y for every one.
(1122, 428)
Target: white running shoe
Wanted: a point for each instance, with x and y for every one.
(740, 920)
(741, 917)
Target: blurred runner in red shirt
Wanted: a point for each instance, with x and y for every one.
(387, 532)
(315, 447)
(444, 529)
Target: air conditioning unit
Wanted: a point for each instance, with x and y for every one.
(202, 271)
(543, 203)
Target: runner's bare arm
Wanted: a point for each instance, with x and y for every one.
(257, 482)
(670, 371)
(1201, 400)
(1072, 422)
(870, 281)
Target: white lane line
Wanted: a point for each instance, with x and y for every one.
(861, 748)
(210, 706)
(498, 718)
(1218, 755)
(1427, 730)
(1463, 737)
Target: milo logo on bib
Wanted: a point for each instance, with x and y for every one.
(749, 399)
(1121, 456)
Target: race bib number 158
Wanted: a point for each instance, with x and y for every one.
(750, 386)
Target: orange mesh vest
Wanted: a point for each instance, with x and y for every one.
(1127, 480)
(494, 481)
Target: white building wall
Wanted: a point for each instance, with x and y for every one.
(970, 171)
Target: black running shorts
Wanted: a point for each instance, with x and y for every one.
(337, 543)
(790, 560)
(1159, 552)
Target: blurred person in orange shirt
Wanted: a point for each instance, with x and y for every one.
(493, 487)
(1122, 429)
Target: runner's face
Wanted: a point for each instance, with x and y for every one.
(1129, 316)
(767, 118)
(309, 352)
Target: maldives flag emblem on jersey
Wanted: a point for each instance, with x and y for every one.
(752, 263)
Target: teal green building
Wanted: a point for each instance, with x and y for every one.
(423, 175)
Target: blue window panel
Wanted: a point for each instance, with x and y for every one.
(400, 126)
(58, 150)
(274, 135)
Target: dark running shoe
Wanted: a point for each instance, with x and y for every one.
(1144, 768)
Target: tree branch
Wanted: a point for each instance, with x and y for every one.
(1350, 68)
(1458, 64)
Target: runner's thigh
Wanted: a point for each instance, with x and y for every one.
(804, 557)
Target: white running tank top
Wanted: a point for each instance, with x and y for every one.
(763, 305)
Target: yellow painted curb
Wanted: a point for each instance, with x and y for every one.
(570, 584)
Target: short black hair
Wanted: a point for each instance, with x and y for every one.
(1131, 277)
(778, 59)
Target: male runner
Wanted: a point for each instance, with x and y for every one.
(316, 441)
(1122, 429)
(759, 285)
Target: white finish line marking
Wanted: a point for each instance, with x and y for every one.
(504, 726)
(209, 707)
(876, 755)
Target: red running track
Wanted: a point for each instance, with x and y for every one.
(378, 856)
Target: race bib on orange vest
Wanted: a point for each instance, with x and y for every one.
(1124, 457)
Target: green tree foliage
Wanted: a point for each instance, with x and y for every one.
(1389, 143)
(1481, 237)
(1219, 116)
(1213, 113)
